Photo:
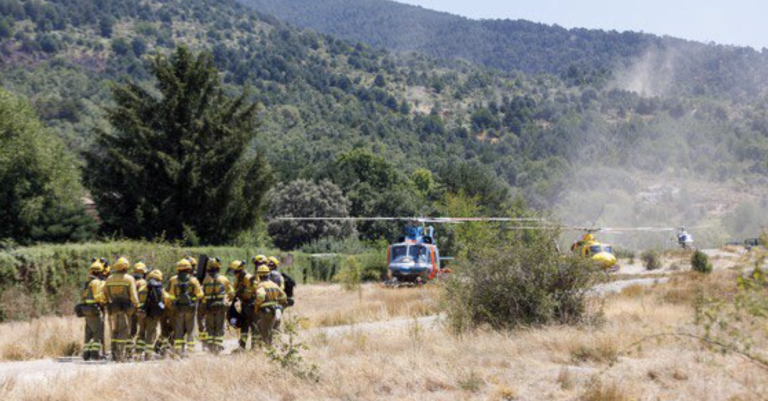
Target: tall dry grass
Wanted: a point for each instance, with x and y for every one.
(41, 338)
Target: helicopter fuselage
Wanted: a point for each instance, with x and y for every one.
(413, 261)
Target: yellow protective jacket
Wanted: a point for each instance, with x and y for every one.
(93, 291)
(121, 287)
(217, 289)
(269, 294)
(141, 289)
(245, 288)
(195, 292)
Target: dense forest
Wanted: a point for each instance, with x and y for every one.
(392, 133)
(519, 45)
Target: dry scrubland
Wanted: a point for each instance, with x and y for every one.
(425, 362)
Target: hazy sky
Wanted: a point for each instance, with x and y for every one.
(740, 22)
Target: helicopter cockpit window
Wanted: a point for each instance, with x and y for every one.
(399, 251)
(419, 253)
(595, 249)
(608, 249)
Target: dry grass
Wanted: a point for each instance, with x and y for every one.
(330, 305)
(40, 338)
(426, 363)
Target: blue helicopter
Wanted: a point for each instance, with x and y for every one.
(415, 258)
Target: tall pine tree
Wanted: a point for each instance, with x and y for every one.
(181, 164)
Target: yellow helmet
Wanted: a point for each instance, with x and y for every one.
(259, 259)
(214, 264)
(140, 268)
(192, 261)
(122, 265)
(156, 274)
(237, 266)
(263, 270)
(183, 265)
(273, 261)
(96, 267)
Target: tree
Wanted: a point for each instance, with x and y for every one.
(375, 189)
(475, 180)
(105, 27)
(303, 198)
(40, 190)
(6, 28)
(181, 162)
(120, 46)
(138, 46)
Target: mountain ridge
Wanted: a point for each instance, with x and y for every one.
(529, 47)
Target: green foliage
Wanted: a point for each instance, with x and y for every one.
(700, 262)
(49, 275)
(302, 198)
(651, 259)
(351, 275)
(737, 323)
(286, 353)
(519, 279)
(179, 165)
(579, 56)
(324, 97)
(40, 191)
(375, 189)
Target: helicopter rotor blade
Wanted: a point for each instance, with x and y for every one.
(436, 220)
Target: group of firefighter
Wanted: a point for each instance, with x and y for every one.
(137, 305)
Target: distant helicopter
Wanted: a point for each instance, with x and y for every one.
(415, 258)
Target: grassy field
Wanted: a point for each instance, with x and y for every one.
(609, 361)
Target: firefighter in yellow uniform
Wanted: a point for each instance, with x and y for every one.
(184, 292)
(136, 347)
(105, 315)
(199, 329)
(93, 306)
(274, 275)
(270, 301)
(154, 305)
(244, 292)
(218, 292)
(122, 301)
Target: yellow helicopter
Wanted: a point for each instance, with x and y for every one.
(601, 253)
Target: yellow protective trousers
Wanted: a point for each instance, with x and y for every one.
(266, 323)
(148, 334)
(94, 334)
(215, 318)
(121, 333)
(248, 328)
(183, 328)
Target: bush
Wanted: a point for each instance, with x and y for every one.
(700, 262)
(651, 259)
(350, 275)
(520, 280)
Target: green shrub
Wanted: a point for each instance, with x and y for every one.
(700, 262)
(351, 274)
(651, 259)
(519, 280)
(624, 253)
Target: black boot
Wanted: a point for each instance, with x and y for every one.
(87, 355)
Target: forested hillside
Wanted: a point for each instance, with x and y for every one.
(393, 133)
(519, 45)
